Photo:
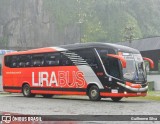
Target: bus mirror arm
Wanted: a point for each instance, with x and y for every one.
(119, 57)
(150, 62)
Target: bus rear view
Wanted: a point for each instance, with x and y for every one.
(99, 70)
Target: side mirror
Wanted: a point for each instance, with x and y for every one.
(119, 57)
(150, 62)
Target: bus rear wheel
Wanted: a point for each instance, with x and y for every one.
(94, 93)
(47, 95)
(27, 91)
(116, 99)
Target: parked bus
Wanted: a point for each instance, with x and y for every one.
(98, 70)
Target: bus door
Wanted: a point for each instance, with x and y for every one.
(111, 66)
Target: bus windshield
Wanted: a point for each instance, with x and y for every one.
(135, 69)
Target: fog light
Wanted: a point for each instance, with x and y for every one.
(125, 92)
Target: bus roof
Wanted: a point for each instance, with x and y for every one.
(100, 45)
(77, 46)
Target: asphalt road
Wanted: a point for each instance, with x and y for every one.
(76, 105)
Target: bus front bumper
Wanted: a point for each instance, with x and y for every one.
(134, 89)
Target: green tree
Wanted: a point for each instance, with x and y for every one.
(106, 20)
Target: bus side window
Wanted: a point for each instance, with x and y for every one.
(37, 60)
(104, 58)
(14, 62)
(91, 61)
(7, 61)
(21, 64)
(23, 59)
(52, 59)
(88, 56)
(28, 63)
(65, 61)
(110, 64)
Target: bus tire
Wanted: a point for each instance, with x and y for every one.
(94, 93)
(47, 95)
(27, 91)
(116, 99)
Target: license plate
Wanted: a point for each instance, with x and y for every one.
(114, 91)
(139, 93)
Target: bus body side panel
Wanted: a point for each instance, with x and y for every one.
(11, 81)
(57, 80)
(71, 80)
(52, 80)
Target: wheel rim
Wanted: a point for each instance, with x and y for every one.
(26, 90)
(94, 93)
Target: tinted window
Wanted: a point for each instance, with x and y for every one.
(24, 61)
(65, 61)
(7, 60)
(111, 64)
(11, 61)
(88, 56)
(37, 60)
(52, 59)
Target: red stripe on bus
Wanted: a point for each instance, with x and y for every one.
(13, 90)
(59, 92)
(122, 94)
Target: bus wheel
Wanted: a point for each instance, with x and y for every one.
(94, 94)
(27, 91)
(47, 95)
(116, 99)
